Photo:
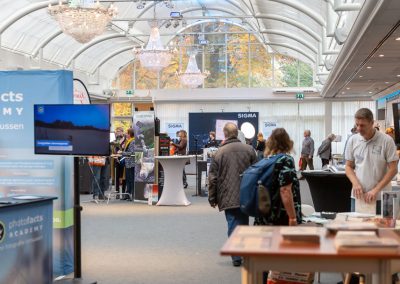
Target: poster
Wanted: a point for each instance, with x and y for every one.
(268, 127)
(22, 172)
(143, 126)
(172, 127)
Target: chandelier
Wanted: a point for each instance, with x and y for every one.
(193, 77)
(154, 56)
(82, 19)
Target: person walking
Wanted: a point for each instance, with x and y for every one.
(231, 160)
(307, 151)
(325, 150)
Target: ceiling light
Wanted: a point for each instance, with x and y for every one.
(184, 23)
(193, 77)
(154, 57)
(141, 5)
(369, 67)
(347, 88)
(343, 93)
(397, 38)
(381, 55)
(83, 20)
(370, 92)
(398, 75)
(386, 82)
(361, 76)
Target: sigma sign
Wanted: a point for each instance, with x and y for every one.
(270, 124)
(247, 115)
(174, 125)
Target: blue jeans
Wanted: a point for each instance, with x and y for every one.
(235, 217)
(130, 181)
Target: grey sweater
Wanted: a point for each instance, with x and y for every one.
(307, 148)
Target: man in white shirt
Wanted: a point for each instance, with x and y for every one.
(371, 162)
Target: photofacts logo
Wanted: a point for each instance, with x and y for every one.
(2, 231)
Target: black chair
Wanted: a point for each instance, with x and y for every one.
(330, 192)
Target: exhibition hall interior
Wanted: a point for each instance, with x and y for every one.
(199, 141)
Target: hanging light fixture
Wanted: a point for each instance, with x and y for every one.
(82, 19)
(193, 77)
(154, 56)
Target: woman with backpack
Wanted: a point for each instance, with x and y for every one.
(285, 189)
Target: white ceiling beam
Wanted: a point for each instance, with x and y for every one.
(45, 42)
(92, 43)
(304, 9)
(26, 11)
(110, 56)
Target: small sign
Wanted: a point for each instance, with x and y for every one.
(299, 96)
(129, 92)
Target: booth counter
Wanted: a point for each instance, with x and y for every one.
(26, 239)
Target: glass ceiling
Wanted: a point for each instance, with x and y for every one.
(299, 29)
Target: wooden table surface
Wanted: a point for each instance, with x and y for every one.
(267, 240)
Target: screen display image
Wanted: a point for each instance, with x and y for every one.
(219, 128)
(79, 130)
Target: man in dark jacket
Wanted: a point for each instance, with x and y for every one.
(231, 160)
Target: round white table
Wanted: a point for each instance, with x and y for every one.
(173, 193)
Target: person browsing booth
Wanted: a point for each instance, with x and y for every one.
(371, 163)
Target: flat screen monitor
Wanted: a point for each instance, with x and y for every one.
(79, 130)
(396, 120)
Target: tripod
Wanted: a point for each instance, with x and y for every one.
(118, 193)
(97, 184)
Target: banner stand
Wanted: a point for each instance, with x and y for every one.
(77, 222)
(77, 234)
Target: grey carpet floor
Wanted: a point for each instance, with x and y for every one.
(125, 242)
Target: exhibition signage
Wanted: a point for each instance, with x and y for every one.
(24, 173)
(81, 95)
(144, 129)
(201, 123)
(172, 127)
(26, 242)
(268, 127)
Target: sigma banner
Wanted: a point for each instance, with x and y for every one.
(268, 127)
(144, 152)
(201, 123)
(22, 172)
(172, 127)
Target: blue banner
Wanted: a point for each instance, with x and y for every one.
(22, 172)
